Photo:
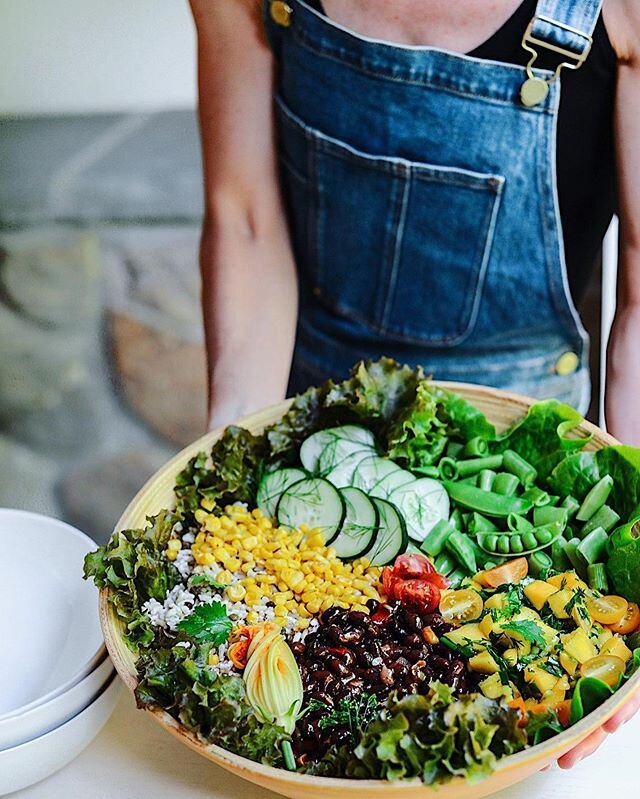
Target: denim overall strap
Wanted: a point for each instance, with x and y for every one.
(423, 208)
(567, 24)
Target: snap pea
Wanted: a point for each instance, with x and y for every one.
(539, 562)
(518, 523)
(597, 577)
(456, 519)
(485, 479)
(559, 559)
(571, 504)
(505, 483)
(537, 496)
(459, 546)
(595, 499)
(548, 514)
(606, 518)
(478, 523)
(529, 540)
(486, 502)
(456, 577)
(517, 545)
(436, 539)
(470, 481)
(475, 448)
(445, 563)
(593, 546)
(522, 469)
(504, 545)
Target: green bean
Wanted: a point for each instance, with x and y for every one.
(504, 545)
(518, 523)
(529, 540)
(547, 515)
(597, 577)
(505, 483)
(558, 556)
(516, 545)
(486, 502)
(606, 518)
(427, 471)
(288, 756)
(478, 523)
(436, 539)
(445, 563)
(537, 496)
(456, 577)
(454, 449)
(539, 562)
(456, 519)
(485, 479)
(571, 504)
(472, 480)
(594, 546)
(571, 551)
(522, 469)
(595, 499)
(475, 448)
(458, 545)
(553, 500)
(450, 469)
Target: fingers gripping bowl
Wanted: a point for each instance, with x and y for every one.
(388, 585)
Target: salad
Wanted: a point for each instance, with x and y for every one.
(380, 585)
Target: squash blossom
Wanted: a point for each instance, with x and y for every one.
(272, 680)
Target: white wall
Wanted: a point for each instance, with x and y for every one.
(95, 55)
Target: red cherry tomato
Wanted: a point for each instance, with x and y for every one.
(388, 580)
(421, 595)
(416, 566)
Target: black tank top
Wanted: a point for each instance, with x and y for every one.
(585, 160)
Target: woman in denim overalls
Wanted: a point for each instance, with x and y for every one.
(411, 192)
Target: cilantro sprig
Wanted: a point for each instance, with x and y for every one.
(207, 623)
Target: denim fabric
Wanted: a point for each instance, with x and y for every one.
(423, 209)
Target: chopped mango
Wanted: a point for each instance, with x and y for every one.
(511, 656)
(495, 601)
(600, 635)
(468, 632)
(538, 592)
(558, 602)
(579, 645)
(617, 647)
(567, 580)
(544, 681)
(568, 663)
(493, 688)
(558, 692)
(484, 663)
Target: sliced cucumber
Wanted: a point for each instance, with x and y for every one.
(312, 447)
(273, 485)
(371, 471)
(359, 527)
(392, 538)
(339, 450)
(393, 480)
(314, 502)
(342, 474)
(422, 503)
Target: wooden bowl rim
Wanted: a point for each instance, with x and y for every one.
(554, 747)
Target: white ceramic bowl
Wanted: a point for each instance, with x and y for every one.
(33, 761)
(49, 625)
(41, 719)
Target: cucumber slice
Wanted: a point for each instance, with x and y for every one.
(314, 502)
(392, 538)
(393, 480)
(273, 485)
(359, 527)
(342, 474)
(371, 471)
(339, 450)
(313, 446)
(422, 503)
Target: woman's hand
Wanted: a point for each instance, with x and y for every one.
(593, 741)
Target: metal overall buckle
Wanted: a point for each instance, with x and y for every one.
(534, 90)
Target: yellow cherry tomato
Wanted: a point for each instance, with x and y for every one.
(461, 606)
(629, 622)
(607, 668)
(513, 571)
(607, 609)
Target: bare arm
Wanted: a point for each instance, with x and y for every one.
(249, 294)
(623, 382)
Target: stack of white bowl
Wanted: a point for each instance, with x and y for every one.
(57, 684)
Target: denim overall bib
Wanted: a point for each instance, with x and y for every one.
(423, 205)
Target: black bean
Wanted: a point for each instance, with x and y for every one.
(413, 640)
(338, 668)
(386, 676)
(330, 615)
(413, 621)
(357, 618)
(372, 676)
(320, 676)
(373, 605)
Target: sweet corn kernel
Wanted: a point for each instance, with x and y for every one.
(213, 659)
(200, 515)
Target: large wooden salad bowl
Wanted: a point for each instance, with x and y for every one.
(501, 408)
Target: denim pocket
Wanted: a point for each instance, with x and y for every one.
(397, 245)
